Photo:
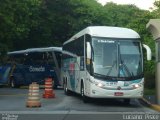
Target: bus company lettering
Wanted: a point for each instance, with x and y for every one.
(36, 69)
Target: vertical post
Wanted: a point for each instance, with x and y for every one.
(154, 27)
(57, 70)
(158, 83)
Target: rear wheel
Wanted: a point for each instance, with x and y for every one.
(84, 98)
(55, 84)
(55, 87)
(66, 91)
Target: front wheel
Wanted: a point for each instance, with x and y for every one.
(12, 83)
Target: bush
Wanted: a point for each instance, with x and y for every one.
(149, 80)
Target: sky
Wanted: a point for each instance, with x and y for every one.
(143, 4)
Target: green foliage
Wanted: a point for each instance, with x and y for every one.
(3, 51)
(121, 15)
(149, 79)
(17, 18)
(150, 91)
(84, 13)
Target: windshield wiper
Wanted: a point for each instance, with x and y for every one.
(97, 74)
(126, 68)
(103, 76)
(114, 63)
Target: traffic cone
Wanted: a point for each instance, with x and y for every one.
(33, 96)
(49, 92)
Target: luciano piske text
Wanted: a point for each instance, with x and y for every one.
(147, 116)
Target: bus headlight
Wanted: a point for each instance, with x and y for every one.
(97, 83)
(100, 85)
(135, 86)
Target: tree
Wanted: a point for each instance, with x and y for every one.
(16, 20)
(85, 13)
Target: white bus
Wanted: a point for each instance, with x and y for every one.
(104, 62)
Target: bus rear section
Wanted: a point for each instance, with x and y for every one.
(112, 63)
(34, 65)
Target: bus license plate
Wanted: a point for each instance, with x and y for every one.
(118, 94)
(111, 83)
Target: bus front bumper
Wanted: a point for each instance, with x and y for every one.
(98, 92)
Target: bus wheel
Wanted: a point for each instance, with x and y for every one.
(127, 101)
(84, 98)
(66, 91)
(12, 83)
(55, 87)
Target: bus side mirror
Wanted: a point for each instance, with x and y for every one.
(149, 53)
(88, 50)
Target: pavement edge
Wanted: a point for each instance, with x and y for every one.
(149, 104)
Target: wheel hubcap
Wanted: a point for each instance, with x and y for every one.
(82, 91)
(65, 87)
(12, 84)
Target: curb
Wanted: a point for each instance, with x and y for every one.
(155, 107)
(148, 104)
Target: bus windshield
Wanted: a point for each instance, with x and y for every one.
(117, 58)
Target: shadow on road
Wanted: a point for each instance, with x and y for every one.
(109, 102)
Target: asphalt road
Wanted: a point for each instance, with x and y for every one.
(13, 107)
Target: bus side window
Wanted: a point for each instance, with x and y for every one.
(58, 57)
(50, 59)
(80, 46)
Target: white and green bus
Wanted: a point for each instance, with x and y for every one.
(104, 62)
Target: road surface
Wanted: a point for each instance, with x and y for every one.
(13, 106)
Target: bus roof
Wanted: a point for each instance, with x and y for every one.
(106, 31)
(36, 50)
(44, 49)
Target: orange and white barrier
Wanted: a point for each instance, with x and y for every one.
(33, 96)
(49, 92)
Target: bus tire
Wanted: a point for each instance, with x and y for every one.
(55, 87)
(12, 83)
(84, 98)
(66, 91)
